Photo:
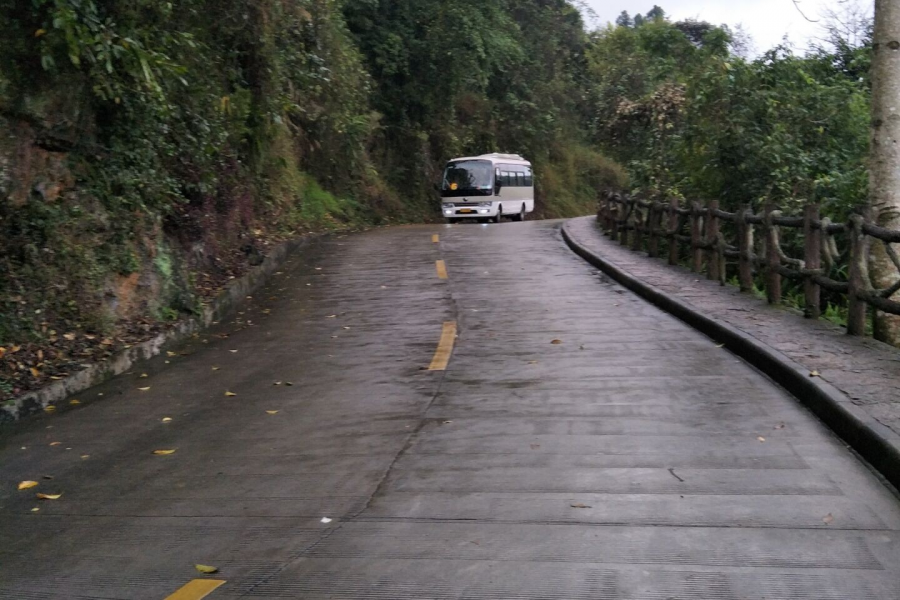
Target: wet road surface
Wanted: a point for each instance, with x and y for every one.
(580, 444)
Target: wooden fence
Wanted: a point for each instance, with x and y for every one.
(702, 231)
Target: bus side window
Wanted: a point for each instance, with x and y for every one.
(529, 180)
(507, 180)
(520, 179)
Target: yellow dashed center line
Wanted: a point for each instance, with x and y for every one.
(196, 589)
(441, 269)
(445, 347)
(435, 238)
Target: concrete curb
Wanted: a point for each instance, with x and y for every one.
(226, 302)
(879, 445)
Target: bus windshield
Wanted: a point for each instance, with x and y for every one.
(468, 176)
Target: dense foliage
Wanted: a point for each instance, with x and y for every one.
(690, 117)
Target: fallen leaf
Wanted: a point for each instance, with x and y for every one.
(163, 452)
(144, 376)
(74, 402)
(216, 368)
(144, 389)
(35, 372)
(535, 446)
(35, 509)
(288, 383)
(50, 408)
(579, 505)
(556, 342)
(532, 362)
(827, 519)
(720, 345)
(170, 354)
(326, 520)
(48, 496)
(69, 336)
(276, 383)
(331, 317)
(779, 426)
(761, 439)
(206, 569)
(272, 412)
(233, 351)
(167, 419)
(229, 394)
(814, 374)
(85, 456)
(56, 443)
(27, 485)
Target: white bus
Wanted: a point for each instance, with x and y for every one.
(490, 186)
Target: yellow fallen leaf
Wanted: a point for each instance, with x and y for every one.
(556, 342)
(331, 317)
(56, 443)
(216, 368)
(144, 376)
(229, 394)
(163, 452)
(35, 372)
(85, 456)
(74, 402)
(167, 419)
(50, 408)
(27, 485)
(144, 389)
(272, 412)
(171, 353)
(761, 439)
(35, 509)
(233, 351)
(814, 374)
(48, 496)
(206, 569)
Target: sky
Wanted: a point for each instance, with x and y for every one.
(767, 21)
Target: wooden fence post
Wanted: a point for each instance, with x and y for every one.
(653, 224)
(773, 261)
(745, 249)
(856, 277)
(696, 239)
(673, 227)
(812, 246)
(712, 237)
(637, 217)
(614, 211)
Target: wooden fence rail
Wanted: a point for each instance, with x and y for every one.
(638, 222)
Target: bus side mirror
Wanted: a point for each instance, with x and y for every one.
(497, 186)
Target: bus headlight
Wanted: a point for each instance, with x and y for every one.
(484, 212)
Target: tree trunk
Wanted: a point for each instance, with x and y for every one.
(884, 164)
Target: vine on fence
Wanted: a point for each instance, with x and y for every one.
(629, 219)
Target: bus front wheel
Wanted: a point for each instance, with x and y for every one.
(499, 216)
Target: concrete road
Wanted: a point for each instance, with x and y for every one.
(579, 445)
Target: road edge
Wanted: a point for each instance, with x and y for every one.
(873, 441)
(221, 306)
